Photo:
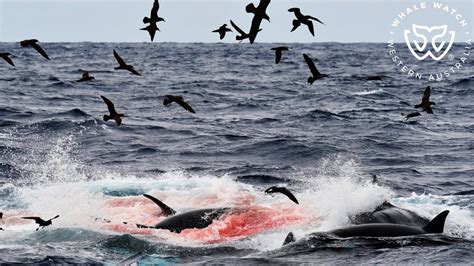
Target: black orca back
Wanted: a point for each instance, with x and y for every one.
(193, 219)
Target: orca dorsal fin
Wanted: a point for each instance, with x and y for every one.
(165, 209)
(437, 224)
(290, 238)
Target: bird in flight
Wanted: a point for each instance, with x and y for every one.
(282, 190)
(34, 44)
(112, 113)
(41, 222)
(222, 31)
(303, 19)
(123, 65)
(278, 52)
(315, 75)
(168, 99)
(425, 101)
(6, 57)
(85, 77)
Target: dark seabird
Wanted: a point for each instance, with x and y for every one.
(85, 77)
(152, 28)
(242, 35)
(303, 19)
(33, 43)
(314, 71)
(113, 114)
(222, 30)
(260, 13)
(425, 101)
(154, 14)
(123, 65)
(282, 190)
(41, 222)
(179, 100)
(6, 57)
(278, 51)
(410, 115)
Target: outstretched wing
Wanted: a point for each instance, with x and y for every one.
(426, 95)
(8, 59)
(134, 71)
(254, 28)
(277, 56)
(119, 59)
(110, 105)
(309, 23)
(39, 49)
(38, 220)
(289, 195)
(316, 19)
(165, 209)
(311, 65)
(263, 4)
(154, 11)
(185, 105)
(241, 32)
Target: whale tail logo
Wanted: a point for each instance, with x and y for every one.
(441, 41)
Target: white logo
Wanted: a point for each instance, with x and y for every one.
(418, 32)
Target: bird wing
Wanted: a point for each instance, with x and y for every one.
(296, 11)
(316, 19)
(311, 65)
(165, 209)
(134, 71)
(241, 32)
(9, 60)
(277, 56)
(39, 49)
(110, 105)
(119, 59)
(154, 11)
(85, 74)
(222, 34)
(309, 23)
(254, 28)
(427, 108)
(185, 105)
(426, 95)
(263, 4)
(38, 220)
(289, 195)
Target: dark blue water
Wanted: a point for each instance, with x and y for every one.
(257, 124)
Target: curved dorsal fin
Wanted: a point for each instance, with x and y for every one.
(437, 224)
(290, 238)
(165, 210)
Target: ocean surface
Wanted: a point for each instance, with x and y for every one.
(257, 124)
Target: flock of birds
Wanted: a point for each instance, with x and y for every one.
(259, 15)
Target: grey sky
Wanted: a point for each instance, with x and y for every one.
(193, 20)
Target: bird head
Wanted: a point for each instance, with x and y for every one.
(271, 190)
(311, 79)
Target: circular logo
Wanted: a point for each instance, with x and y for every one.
(429, 41)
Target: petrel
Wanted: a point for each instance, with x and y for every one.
(152, 28)
(425, 101)
(41, 222)
(314, 71)
(222, 30)
(123, 65)
(113, 114)
(154, 14)
(282, 190)
(85, 77)
(6, 57)
(278, 51)
(303, 19)
(179, 100)
(33, 43)
(410, 115)
(260, 13)
(242, 35)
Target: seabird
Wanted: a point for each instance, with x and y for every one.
(425, 101)
(6, 57)
(85, 77)
(33, 43)
(222, 30)
(303, 19)
(314, 71)
(278, 51)
(152, 28)
(242, 35)
(41, 222)
(123, 65)
(154, 14)
(282, 190)
(409, 115)
(1, 216)
(259, 15)
(179, 100)
(113, 114)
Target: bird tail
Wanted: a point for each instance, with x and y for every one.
(107, 118)
(146, 20)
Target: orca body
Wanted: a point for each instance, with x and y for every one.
(388, 213)
(193, 219)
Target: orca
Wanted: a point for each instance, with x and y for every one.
(388, 213)
(435, 226)
(199, 219)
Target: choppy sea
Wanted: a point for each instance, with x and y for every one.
(257, 124)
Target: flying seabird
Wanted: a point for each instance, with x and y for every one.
(41, 222)
(242, 35)
(33, 43)
(410, 115)
(303, 19)
(123, 65)
(179, 100)
(113, 114)
(282, 190)
(152, 28)
(425, 101)
(154, 14)
(85, 77)
(260, 13)
(6, 57)
(222, 30)
(314, 71)
(278, 51)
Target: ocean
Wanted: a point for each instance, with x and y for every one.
(257, 124)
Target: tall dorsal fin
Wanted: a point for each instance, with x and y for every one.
(437, 224)
(290, 238)
(165, 210)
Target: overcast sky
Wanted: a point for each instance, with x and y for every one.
(193, 20)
